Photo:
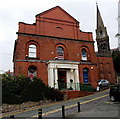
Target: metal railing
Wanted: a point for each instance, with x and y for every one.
(67, 86)
(74, 86)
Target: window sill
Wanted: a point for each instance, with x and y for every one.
(87, 83)
(85, 60)
(34, 58)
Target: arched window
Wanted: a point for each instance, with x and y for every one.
(84, 54)
(32, 71)
(86, 75)
(60, 52)
(32, 51)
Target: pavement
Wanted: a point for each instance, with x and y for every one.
(102, 110)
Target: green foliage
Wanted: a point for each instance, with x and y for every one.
(22, 89)
(116, 60)
(85, 87)
(55, 95)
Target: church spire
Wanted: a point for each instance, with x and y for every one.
(102, 37)
(99, 18)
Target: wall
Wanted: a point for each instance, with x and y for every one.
(47, 51)
(106, 69)
(53, 28)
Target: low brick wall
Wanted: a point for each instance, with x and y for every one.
(75, 94)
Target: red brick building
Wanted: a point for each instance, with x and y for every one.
(58, 52)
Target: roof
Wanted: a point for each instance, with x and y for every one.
(51, 11)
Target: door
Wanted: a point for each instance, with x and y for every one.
(62, 80)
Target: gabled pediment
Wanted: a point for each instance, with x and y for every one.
(57, 13)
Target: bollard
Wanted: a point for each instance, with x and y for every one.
(63, 111)
(12, 117)
(40, 114)
(79, 107)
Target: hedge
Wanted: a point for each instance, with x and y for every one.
(16, 90)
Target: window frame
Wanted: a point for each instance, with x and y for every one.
(87, 76)
(84, 55)
(60, 52)
(32, 71)
(32, 54)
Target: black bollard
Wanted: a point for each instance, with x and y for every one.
(12, 117)
(79, 107)
(63, 111)
(40, 114)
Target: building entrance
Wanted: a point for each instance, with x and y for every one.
(62, 85)
(60, 74)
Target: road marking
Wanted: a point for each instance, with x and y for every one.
(71, 106)
(35, 108)
(50, 112)
(112, 103)
(108, 102)
(95, 99)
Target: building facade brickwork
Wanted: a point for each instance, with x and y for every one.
(58, 52)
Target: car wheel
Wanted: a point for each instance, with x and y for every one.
(112, 98)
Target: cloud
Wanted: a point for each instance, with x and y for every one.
(14, 11)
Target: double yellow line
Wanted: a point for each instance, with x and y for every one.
(71, 106)
(56, 110)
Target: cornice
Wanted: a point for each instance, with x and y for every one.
(78, 40)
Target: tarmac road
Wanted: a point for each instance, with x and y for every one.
(96, 105)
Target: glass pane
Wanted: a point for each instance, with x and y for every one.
(32, 51)
(85, 75)
(32, 46)
(84, 54)
(84, 58)
(32, 71)
(32, 54)
(60, 52)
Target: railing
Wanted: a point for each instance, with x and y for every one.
(74, 86)
(67, 86)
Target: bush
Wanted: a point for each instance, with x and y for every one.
(85, 87)
(16, 90)
(55, 95)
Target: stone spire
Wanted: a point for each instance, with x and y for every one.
(99, 19)
(102, 37)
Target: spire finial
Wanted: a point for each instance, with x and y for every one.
(96, 3)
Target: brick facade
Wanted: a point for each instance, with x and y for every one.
(56, 28)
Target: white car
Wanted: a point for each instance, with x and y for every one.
(103, 83)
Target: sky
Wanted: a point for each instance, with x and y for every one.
(14, 11)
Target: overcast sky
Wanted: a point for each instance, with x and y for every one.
(14, 11)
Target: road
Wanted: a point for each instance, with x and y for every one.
(96, 105)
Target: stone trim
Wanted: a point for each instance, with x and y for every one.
(78, 40)
(58, 61)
